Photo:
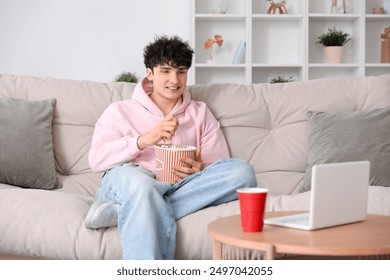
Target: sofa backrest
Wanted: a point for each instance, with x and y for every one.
(263, 123)
(266, 123)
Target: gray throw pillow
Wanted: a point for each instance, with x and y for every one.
(26, 143)
(350, 136)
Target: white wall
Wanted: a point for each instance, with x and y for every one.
(85, 39)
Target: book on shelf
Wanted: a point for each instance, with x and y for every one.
(386, 6)
(238, 56)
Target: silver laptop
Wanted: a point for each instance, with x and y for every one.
(339, 194)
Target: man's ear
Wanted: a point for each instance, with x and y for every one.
(147, 85)
(149, 74)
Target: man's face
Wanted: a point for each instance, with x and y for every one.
(169, 82)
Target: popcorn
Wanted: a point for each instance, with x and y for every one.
(176, 147)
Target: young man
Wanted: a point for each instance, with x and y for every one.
(160, 110)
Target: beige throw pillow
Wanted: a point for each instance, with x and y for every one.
(350, 136)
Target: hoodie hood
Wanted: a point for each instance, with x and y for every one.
(141, 95)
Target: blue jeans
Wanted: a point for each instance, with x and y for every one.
(148, 209)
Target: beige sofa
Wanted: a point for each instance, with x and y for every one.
(265, 124)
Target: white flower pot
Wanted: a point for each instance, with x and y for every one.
(334, 54)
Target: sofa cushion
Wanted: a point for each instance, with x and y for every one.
(27, 157)
(350, 136)
(50, 224)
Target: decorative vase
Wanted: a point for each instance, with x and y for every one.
(220, 6)
(334, 9)
(385, 45)
(277, 6)
(211, 59)
(334, 54)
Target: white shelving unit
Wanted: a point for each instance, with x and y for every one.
(285, 45)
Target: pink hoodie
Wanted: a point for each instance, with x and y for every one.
(116, 132)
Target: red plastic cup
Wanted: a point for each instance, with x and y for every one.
(252, 207)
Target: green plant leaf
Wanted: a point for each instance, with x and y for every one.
(127, 77)
(280, 79)
(334, 37)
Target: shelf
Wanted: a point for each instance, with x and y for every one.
(333, 17)
(276, 17)
(275, 65)
(285, 44)
(378, 65)
(219, 65)
(218, 17)
(329, 65)
(378, 18)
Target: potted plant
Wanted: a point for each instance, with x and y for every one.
(280, 79)
(127, 77)
(333, 41)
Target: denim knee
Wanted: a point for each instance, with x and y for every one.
(129, 181)
(242, 173)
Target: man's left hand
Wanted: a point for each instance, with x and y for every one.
(195, 165)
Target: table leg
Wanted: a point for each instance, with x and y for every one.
(270, 252)
(217, 250)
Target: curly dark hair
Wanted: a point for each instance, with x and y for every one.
(172, 51)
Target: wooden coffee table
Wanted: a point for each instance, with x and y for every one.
(367, 239)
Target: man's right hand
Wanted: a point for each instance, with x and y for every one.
(164, 130)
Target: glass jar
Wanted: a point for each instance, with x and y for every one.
(220, 6)
(333, 8)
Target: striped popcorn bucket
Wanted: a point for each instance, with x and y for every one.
(168, 156)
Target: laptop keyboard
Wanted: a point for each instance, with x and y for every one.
(302, 221)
